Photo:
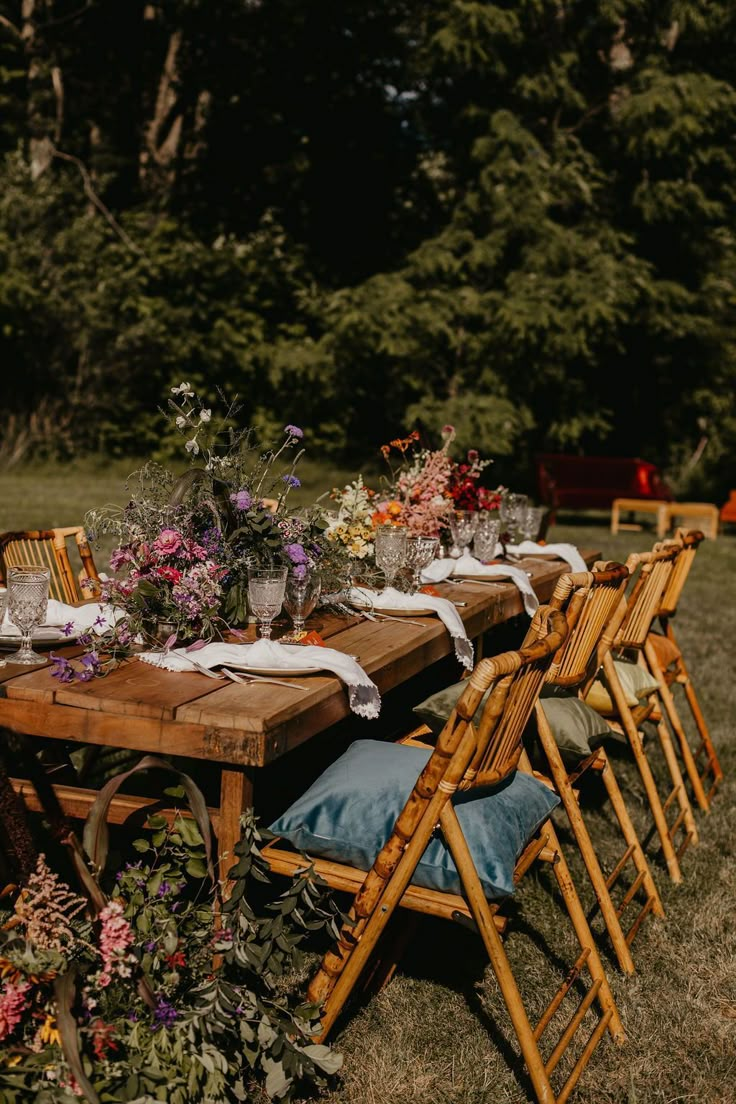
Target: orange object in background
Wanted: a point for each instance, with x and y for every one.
(728, 512)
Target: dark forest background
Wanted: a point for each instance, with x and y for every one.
(515, 216)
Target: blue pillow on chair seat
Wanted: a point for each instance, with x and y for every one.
(349, 813)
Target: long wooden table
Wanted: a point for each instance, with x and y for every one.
(242, 728)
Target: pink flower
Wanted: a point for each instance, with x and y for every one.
(168, 542)
(116, 937)
(12, 1005)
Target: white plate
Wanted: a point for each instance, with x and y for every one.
(40, 636)
(270, 672)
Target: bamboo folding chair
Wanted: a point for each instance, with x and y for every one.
(589, 601)
(666, 662)
(48, 548)
(630, 630)
(466, 758)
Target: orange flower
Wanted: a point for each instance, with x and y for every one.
(393, 509)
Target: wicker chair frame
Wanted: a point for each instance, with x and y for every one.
(589, 601)
(466, 757)
(48, 548)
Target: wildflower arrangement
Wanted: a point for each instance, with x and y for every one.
(352, 525)
(166, 993)
(186, 542)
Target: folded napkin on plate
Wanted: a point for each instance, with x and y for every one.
(363, 694)
(566, 552)
(390, 598)
(89, 618)
(440, 570)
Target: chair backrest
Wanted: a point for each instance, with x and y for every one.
(589, 600)
(687, 544)
(48, 548)
(642, 605)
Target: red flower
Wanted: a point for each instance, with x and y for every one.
(175, 960)
(171, 574)
(102, 1038)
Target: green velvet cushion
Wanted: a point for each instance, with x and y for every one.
(636, 683)
(349, 813)
(576, 727)
(435, 710)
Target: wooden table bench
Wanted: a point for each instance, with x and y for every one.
(655, 506)
(241, 728)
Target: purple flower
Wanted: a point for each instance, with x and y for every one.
(294, 431)
(300, 572)
(61, 668)
(150, 946)
(164, 1014)
(291, 481)
(99, 620)
(163, 889)
(242, 500)
(68, 629)
(296, 553)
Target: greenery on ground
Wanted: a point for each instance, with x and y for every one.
(373, 214)
(440, 1032)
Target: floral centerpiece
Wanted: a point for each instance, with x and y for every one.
(422, 490)
(156, 989)
(186, 541)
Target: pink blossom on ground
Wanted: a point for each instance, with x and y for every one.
(12, 1005)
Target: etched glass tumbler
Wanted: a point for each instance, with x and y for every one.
(512, 511)
(28, 596)
(420, 551)
(302, 593)
(266, 588)
(486, 538)
(390, 550)
(463, 524)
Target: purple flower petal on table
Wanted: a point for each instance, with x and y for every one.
(68, 629)
(195, 647)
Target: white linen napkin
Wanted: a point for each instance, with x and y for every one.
(82, 618)
(390, 598)
(440, 570)
(566, 552)
(362, 693)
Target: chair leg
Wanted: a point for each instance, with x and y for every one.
(674, 718)
(629, 833)
(686, 817)
(683, 677)
(528, 1037)
(585, 845)
(645, 771)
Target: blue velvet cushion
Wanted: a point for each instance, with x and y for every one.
(349, 812)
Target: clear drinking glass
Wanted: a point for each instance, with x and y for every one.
(302, 592)
(486, 538)
(420, 551)
(531, 522)
(463, 524)
(28, 596)
(266, 588)
(511, 510)
(390, 550)
(3, 608)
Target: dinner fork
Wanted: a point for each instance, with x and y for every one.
(260, 678)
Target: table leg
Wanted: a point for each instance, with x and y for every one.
(614, 517)
(663, 521)
(236, 795)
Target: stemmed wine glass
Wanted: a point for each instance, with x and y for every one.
(28, 596)
(463, 524)
(266, 588)
(390, 550)
(302, 592)
(531, 522)
(420, 551)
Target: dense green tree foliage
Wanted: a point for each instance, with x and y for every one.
(517, 216)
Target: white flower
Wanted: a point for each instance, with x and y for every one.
(205, 415)
(181, 421)
(192, 446)
(183, 389)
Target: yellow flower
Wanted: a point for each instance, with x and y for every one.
(49, 1033)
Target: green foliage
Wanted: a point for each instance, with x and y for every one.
(522, 210)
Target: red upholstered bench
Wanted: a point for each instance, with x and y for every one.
(589, 482)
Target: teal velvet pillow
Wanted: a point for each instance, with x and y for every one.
(576, 727)
(349, 812)
(435, 710)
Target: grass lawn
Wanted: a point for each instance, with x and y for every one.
(439, 1033)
